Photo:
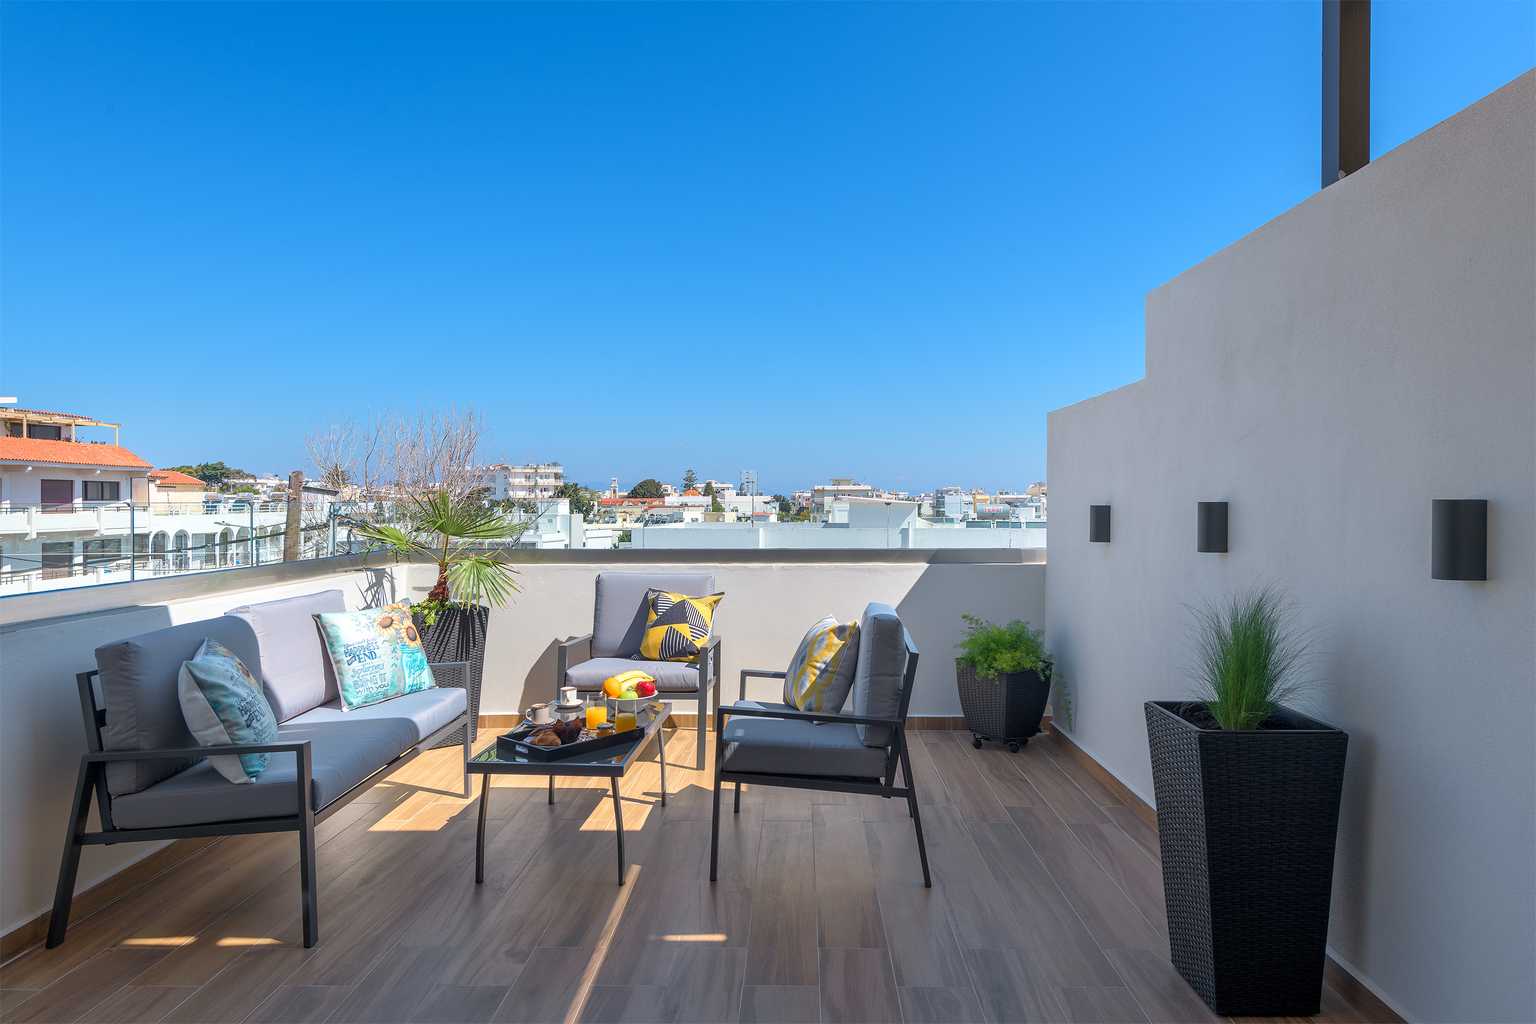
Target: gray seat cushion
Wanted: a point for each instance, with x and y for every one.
(880, 673)
(426, 710)
(780, 746)
(138, 688)
(671, 676)
(343, 754)
(618, 618)
(295, 669)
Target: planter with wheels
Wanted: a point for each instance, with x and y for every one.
(1005, 708)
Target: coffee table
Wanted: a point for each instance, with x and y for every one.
(611, 763)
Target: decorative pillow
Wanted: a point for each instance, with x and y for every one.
(676, 626)
(377, 654)
(821, 672)
(223, 703)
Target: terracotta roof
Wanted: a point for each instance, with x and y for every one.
(630, 501)
(171, 476)
(693, 492)
(68, 453)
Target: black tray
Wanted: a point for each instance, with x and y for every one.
(510, 745)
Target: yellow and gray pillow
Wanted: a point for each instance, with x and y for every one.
(821, 672)
(676, 625)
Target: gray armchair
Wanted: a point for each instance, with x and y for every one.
(613, 646)
(772, 744)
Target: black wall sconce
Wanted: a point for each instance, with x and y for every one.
(1459, 539)
(1098, 524)
(1213, 527)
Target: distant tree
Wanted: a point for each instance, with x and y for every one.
(211, 473)
(647, 488)
(714, 504)
(624, 537)
(583, 500)
(690, 480)
(786, 507)
(709, 490)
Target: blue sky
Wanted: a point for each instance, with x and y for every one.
(811, 240)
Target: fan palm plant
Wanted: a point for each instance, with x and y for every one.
(449, 530)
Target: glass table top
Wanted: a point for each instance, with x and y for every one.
(606, 760)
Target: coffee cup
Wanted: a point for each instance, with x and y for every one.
(568, 696)
(539, 714)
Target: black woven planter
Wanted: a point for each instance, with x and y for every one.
(1006, 708)
(1247, 823)
(458, 634)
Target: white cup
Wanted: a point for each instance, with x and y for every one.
(539, 714)
(568, 695)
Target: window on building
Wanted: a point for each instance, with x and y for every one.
(45, 431)
(102, 550)
(58, 556)
(102, 490)
(13, 428)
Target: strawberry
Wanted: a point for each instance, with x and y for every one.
(645, 689)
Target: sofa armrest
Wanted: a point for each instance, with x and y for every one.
(758, 673)
(179, 753)
(804, 716)
(453, 674)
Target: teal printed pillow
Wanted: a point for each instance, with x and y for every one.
(223, 703)
(377, 654)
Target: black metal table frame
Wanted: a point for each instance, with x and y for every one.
(571, 769)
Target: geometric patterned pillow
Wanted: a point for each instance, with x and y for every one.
(676, 626)
(377, 654)
(223, 703)
(821, 672)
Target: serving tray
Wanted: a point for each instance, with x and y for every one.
(511, 745)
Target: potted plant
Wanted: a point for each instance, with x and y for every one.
(449, 531)
(1003, 674)
(1248, 794)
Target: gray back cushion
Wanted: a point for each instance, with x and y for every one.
(138, 688)
(618, 620)
(295, 670)
(881, 670)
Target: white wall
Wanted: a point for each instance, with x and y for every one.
(44, 640)
(1330, 374)
(767, 609)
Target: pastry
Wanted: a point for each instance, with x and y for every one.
(544, 738)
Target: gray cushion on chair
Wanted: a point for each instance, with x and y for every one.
(342, 755)
(426, 710)
(138, 688)
(295, 669)
(878, 678)
(618, 619)
(671, 676)
(781, 746)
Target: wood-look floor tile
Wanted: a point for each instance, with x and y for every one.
(968, 793)
(996, 767)
(1138, 875)
(392, 990)
(782, 945)
(780, 1004)
(847, 913)
(705, 983)
(1102, 1005)
(1065, 798)
(1134, 825)
(857, 987)
(940, 1005)
(1012, 987)
(459, 1004)
(134, 1004)
(1163, 995)
(628, 1004)
(549, 990)
(300, 1004)
(81, 990)
(239, 988)
(1089, 783)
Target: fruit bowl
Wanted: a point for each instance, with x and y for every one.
(631, 704)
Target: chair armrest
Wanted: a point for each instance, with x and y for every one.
(711, 650)
(760, 673)
(804, 716)
(564, 649)
(454, 674)
(295, 747)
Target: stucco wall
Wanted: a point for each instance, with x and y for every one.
(1329, 375)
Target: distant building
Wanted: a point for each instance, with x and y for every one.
(525, 483)
(822, 495)
(748, 482)
(954, 504)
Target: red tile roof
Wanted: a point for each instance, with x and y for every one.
(172, 476)
(68, 453)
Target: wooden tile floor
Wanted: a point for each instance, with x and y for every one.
(1046, 906)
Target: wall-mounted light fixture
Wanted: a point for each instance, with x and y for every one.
(1098, 524)
(1212, 527)
(1459, 539)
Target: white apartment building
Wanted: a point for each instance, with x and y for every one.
(531, 482)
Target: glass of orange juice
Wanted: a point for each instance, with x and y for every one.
(597, 712)
(624, 721)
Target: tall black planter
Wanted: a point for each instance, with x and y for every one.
(1006, 708)
(1247, 823)
(458, 634)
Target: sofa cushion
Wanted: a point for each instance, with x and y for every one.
(140, 694)
(223, 704)
(781, 746)
(881, 670)
(376, 654)
(342, 753)
(427, 711)
(295, 672)
(618, 617)
(670, 676)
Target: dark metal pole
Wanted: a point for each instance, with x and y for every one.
(1346, 87)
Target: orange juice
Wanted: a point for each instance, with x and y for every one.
(624, 721)
(597, 714)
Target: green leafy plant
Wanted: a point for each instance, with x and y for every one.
(1250, 657)
(994, 650)
(450, 531)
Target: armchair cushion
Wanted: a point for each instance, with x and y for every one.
(671, 676)
(778, 746)
(426, 710)
(140, 692)
(878, 677)
(677, 626)
(821, 672)
(295, 671)
(618, 617)
(342, 754)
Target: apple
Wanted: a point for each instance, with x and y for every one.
(629, 694)
(645, 689)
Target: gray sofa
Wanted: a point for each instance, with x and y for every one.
(613, 646)
(149, 775)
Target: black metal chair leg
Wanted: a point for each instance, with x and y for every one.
(618, 826)
(551, 790)
(467, 753)
(703, 723)
(714, 832)
(308, 883)
(69, 864)
(917, 822)
(737, 808)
